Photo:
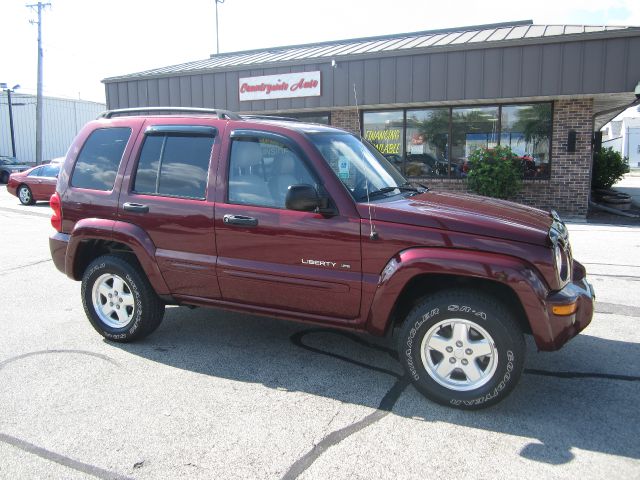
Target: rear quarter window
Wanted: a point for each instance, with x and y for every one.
(100, 158)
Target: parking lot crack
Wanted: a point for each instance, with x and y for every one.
(384, 408)
(19, 267)
(60, 459)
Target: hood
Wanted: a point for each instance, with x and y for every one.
(466, 213)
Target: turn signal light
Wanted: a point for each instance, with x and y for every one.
(565, 309)
(56, 206)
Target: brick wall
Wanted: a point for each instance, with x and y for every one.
(346, 119)
(568, 188)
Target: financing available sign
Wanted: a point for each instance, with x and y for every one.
(285, 85)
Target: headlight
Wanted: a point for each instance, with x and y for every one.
(561, 263)
(559, 236)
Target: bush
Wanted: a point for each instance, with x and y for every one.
(495, 172)
(608, 168)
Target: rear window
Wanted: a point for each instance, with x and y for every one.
(99, 159)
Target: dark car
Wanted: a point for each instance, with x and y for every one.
(426, 164)
(9, 165)
(37, 183)
(310, 223)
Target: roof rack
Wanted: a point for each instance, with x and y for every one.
(221, 114)
(269, 117)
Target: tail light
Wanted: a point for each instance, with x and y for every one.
(56, 206)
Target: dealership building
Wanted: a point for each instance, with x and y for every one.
(427, 99)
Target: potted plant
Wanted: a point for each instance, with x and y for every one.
(609, 166)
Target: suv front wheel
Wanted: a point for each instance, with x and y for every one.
(462, 349)
(119, 301)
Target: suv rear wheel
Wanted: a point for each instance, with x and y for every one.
(462, 349)
(119, 301)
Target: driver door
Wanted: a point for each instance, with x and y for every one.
(279, 259)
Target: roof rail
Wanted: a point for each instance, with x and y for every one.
(270, 117)
(222, 114)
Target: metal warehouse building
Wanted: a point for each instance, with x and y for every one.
(62, 119)
(427, 99)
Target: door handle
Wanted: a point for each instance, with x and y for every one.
(240, 220)
(136, 207)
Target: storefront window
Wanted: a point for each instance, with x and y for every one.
(436, 142)
(384, 130)
(427, 143)
(322, 118)
(471, 128)
(527, 130)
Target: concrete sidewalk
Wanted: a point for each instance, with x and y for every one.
(630, 185)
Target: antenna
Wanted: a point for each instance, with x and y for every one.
(373, 235)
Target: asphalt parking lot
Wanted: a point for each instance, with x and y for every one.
(213, 394)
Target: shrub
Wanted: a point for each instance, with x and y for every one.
(494, 172)
(608, 168)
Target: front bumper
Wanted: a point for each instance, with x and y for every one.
(579, 291)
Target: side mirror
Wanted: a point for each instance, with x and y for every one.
(303, 198)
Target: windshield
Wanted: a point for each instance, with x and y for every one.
(360, 167)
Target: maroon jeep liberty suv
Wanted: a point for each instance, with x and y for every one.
(305, 222)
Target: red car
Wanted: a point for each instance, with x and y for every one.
(37, 183)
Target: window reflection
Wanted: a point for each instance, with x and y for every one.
(99, 159)
(527, 130)
(471, 128)
(438, 141)
(427, 142)
(384, 131)
(174, 166)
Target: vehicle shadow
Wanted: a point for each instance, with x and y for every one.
(583, 396)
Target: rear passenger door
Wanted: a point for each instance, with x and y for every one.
(47, 181)
(165, 193)
(275, 259)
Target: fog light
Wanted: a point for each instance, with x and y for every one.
(565, 309)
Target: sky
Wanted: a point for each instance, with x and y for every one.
(85, 41)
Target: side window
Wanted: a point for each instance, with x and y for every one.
(36, 172)
(174, 166)
(50, 170)
(99, 159)
(261, 171)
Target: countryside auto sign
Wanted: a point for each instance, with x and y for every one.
(285, 85)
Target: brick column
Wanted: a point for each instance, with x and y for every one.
(346, 119)
(570, 171)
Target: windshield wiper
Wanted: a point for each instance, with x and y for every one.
(376, 193)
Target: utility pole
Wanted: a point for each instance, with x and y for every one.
(217, 42)
(9, 91)
(39, 6)
(13, 137)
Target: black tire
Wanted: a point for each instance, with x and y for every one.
(25, 195)
(142, 311)
(428, 329)
(4, 177)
